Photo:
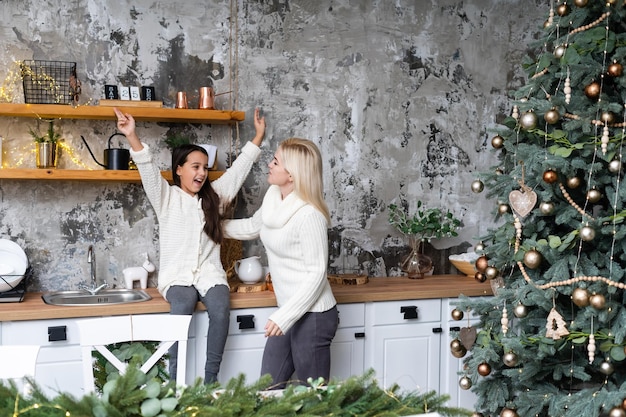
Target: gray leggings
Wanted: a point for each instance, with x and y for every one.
(183, 301)
(304, 349)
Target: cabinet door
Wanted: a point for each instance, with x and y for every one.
(59, 365)
(404, 343)
(348, 347)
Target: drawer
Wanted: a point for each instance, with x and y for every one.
(56, 332)
(249, 320)
(401, 312)
(351, 315)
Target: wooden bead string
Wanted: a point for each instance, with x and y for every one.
(592, 24)
(572, 203)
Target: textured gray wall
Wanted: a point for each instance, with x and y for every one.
(400, 96)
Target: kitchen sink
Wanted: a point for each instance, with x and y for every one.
(103, 297)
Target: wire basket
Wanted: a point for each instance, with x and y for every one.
(49, 82)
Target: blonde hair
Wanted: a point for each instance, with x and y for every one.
(302, 159)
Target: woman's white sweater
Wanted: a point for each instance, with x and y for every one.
(187, 255)
(295, 236)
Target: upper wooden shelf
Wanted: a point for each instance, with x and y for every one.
(99, 175)
(142, 114)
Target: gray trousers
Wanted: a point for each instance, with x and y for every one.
(303, 350)
(183, 301)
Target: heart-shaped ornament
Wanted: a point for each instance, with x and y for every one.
(522, 202)
(467, 335)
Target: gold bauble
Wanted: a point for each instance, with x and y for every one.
(562, 9)
(491, 272)
(497, 141)
(459, 354)
(615, 69)
(597, 301)
(580, 3)
(546, 207)
(550, 176)
(592, 90)
(480, 277)
(573, 182)
(520, 311)
(617, 412)
(477, 186)
(559, 51)
(457, 314)
(587, 233)
(532, 259)
(580, 297)
(607, 368)
(510, 359)
(479, 247)
(484, 369)
(594, 195)
(607, 117)
(481, 264)
(615, 166)
(552, 116)
(528, 120)
(503, 208)
(507, 412)
(456, 345)
(465, 383)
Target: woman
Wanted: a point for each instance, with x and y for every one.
(190, 215)
(293, 226)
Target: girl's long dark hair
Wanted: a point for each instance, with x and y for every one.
(210, 200)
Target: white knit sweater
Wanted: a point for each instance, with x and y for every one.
(295, 236)
(187, 255)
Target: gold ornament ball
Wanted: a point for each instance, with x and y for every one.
(552, 116)
(607, 117)
(580, 297)
(503, 208)
(456, 345)
(528, 120)
(615, 69)
(550, 176)
(499, 171)
(520, 311)
(480, 277)
(597, 301)
(617, 412)
(510, 359)
(592, 90)
(559, 51)
(481, 264)
(459, 354)
(484, 369)
(507, 412)
(615, 166)
(546, 207)
(497, 141)
(580, 3)
(587, 233)
(465, 383)
(532, 259)
(479, 247)
(477, 186)
(594, 195)
(491, 272)
(573, 182)
(562, 10)
(457, 314)
(607, 368)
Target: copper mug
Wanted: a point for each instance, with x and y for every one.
(207, 95)
(181, 100)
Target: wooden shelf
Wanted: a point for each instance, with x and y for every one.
(141, 114)
(100, 175)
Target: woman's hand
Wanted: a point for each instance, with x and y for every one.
(126, 125)
(272, 329)
(259, 126)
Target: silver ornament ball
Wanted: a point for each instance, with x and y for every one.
(478, 186)
(607, 368)
(546, 207)
(510, 359)
(587, 233)
(465, 383)
(615, 166)
(528, 120)
(520, 311)
(480, 246)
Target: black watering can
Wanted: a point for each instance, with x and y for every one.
(114, 158)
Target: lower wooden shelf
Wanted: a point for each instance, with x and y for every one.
(100, 175)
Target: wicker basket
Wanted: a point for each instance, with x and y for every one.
(49, 82)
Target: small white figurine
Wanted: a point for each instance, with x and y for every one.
(138, 273)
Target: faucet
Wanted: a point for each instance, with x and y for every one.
(91, 259)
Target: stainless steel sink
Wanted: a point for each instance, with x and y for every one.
(104, 297)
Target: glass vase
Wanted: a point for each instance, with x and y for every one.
(416, 264)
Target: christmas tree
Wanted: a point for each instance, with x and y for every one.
(551, 342)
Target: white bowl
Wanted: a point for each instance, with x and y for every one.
(13, 264)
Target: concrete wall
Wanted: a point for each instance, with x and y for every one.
(401, 97)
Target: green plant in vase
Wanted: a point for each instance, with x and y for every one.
(421, 226)
(48, 149)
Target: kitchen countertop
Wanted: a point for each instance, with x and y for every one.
(377, 289)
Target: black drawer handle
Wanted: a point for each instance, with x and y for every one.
(410, 312)
(57, 333)
(455, 329)
(246, 321)
(359, 335)
(437, 330)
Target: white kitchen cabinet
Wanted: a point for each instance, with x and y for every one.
(347, 352)
(404, 343)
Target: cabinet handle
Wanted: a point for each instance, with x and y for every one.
(359, 335)
(410, 312)
(437, 330)
(246, 321)
(57, 333)
(455, 329)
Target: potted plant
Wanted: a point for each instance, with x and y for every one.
(423, 225)
(47, 146)
(175, 140)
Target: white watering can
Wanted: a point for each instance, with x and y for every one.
(249, 270)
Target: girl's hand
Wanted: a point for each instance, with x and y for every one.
(272, 329)
(259, 126)
(125, 122)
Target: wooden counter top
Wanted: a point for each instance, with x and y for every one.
(377, 289)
